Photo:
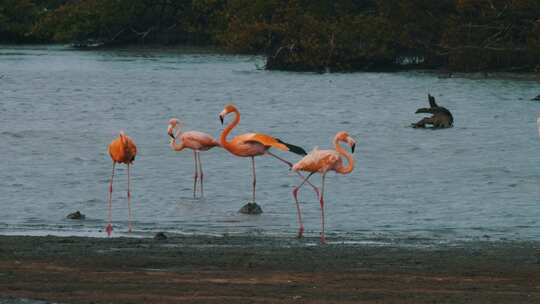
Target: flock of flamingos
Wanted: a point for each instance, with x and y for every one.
(123, 150)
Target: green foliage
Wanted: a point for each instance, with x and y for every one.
(315, 35)
(16, 18)
(487, 35)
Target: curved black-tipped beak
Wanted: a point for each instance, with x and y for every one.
(171, 135)
(221, 118)
(352, 148)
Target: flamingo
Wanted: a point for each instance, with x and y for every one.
(252, 144)
(194, 140)
(122, 150)
(323, 161)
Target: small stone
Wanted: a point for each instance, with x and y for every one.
(251, 208)
(160, 236)
(77, 215)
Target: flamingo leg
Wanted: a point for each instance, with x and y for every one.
(195, 175)
(281, 159)
(201, 175)
(323, 239)
(299, 174)
(295, 195)
(109, 227)
(254, 177)
(129, 198)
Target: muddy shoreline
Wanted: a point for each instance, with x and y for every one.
(241, 269)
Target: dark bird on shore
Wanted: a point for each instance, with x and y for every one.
(441, 118)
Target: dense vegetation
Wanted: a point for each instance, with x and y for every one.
(462, 35)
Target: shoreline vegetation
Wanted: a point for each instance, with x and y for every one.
(198, 269)
(300, 35)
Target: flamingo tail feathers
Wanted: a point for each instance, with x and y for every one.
(294, 149)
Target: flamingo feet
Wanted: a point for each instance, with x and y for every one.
(109, 229)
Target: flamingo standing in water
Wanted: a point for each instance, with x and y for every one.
(194, 140)
(252, 144)
(323, 161)
(122, 150)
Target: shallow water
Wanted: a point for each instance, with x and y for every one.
(60, 108)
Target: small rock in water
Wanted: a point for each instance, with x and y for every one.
(536, 98)
(76, 216)
(160, 236)
(251, 208)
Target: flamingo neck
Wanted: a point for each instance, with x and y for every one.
(347, 155)
(124, 142)
(177, 146)
(223, 138)
(123, 139)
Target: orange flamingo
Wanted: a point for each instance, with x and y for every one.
(194, 140)
(252, 144)
(323, 161)
(122, 150)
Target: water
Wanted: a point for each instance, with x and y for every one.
(60, 108)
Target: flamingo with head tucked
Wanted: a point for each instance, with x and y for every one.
(323, 161)
(194, 140)
(252, 144)
(122, 150)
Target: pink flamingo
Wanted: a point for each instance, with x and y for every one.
(323, 161)
(253, 144)
(122, 150)
(194, 140)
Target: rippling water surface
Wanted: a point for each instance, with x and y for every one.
(60, 108)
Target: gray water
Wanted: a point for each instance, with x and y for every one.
(60, 108)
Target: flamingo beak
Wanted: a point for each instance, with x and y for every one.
(221, 118)
(170, 131)
(351, 143)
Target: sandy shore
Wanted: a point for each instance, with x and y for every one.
(264, 270)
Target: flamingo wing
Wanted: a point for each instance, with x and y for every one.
(269, 141)
(123, 149)
(198, 140)
(131, 148)
(318, 161)
(265, 140)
